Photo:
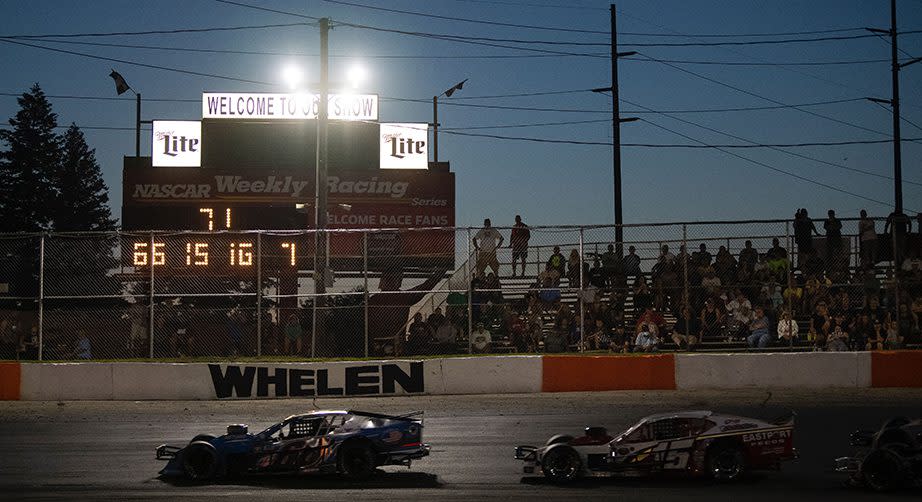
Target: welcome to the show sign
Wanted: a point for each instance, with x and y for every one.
(277, 106)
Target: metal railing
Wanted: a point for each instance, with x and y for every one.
(157, 295)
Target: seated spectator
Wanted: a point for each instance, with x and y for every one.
(813, 265)
(577, 269)
(599, 339)
(419, 334)
(557, 262)
(82, 347)
(701, 258)
(551, 273)
(535, 331)
(710, 282)
(557, 338)
(492, 289)
(549, 295)
(643, 297)
(598, 276)
(725, 266)
(685, 330)
(739, 315)
(894, 340)
(793, 295)
(632, 262)
(652, 317)
(758, 330)
(446, 336)
(620, 340)
(712, 320)
(908, 323)
(820, 324)
(862, 330)
(838, 335)
(480, 340)
(435, 318)
(646, 340)
(878, 338)
(516, 328)
(787, 329)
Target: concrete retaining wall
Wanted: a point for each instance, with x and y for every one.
(462, 375)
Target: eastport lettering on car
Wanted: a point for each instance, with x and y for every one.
(767, 438)
(371, 379)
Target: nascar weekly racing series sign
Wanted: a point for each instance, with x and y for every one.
(300, 380)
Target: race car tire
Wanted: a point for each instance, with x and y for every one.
(561, 464)
(356, 460)
(202, 437)
(200, 461)
(883, 470)
(895, 422)
(725, 462)
(559, 438)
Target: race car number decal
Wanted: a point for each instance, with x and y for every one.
(673, 454)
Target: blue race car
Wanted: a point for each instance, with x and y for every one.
(352, 443)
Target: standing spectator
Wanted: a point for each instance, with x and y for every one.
(557, 262)
(485, 242)
(646, 340)
(576, 269)
(480, 340)
(748, 258)
(899, 224)
(804, 229)
(665, 256)
(632, 262)
(611, 266)
(294, 335)
(701, 258)
(787, 329)
(833, 228)
(868, 238)
(518, 241)
(725, 266)
(758, 330)
(685, 330)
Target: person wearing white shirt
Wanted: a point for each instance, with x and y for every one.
(485, 242)
(787, 328)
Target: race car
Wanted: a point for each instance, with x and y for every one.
(352, 443)
(695, 443)
(888, 458)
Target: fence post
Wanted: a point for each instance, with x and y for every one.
(365, 277)
(259, 294)
(895, 270)
(470, 294)
(41, 294)
(582, 310)
(151, 297)
(788, 279)
(686, 297)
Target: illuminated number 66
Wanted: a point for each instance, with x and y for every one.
(140, 256)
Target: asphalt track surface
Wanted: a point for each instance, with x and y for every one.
(105, 450)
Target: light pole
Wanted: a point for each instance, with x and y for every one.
(320, 190)
(616, 121)
(435, 117)
(121, 86)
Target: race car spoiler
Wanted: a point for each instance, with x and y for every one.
(166, 452)
(413, 416)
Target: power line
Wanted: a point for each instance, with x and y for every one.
(778, 148)
(467, 20)
(514, 126)
(757, 63)
(106, 98)
(266, 9)
(770, 100)
(133, 63)
(754, 42)
(773, 168)
(154, 32)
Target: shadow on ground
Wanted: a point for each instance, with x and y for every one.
(380, 480)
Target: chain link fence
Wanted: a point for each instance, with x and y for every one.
(433, 291)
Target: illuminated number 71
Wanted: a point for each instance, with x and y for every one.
(291, 247)
(210, 212)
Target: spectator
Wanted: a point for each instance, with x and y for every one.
(820, 324)
(632, 262)
(599, 338)
(804, 229)
(665, 256)
(535, 330)
(480, 340)
(725, 266)
(516, 328)
(646, 340)
(419, 335)
(868, 237)
(793, 295)
(907, 322)
(710, 282)
(611, 267)
(549, 295)
(294, 334)
(739, 311)
(712, 320)
(620, 340)
(493, 290)
(435, 318)
(654, 319)
(833, 228)
(758, 330)
(813, 265)
(878, 338)
(685, 330)
(82, 347)
(777, 260)
(599, 277)
(485, 243)
(576, 269)
(894, 340)
(838, 335)
(748, 258)
(518, 241)
(643, 298)
(557, 262)
(446, 335)
(557, 339)
(862, 330)
(787, 329)
(701, 258)
(776, 252)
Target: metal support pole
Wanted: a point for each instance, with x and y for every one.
(616, 137)
(897, 159)
(582, 309)
(686, 298)
(320, 211)
(259, 294)
(365, 277)
(151, 298)
(41, 295)
(435, 128)
(137, 126)
(470, 296)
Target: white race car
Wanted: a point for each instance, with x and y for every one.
(695, 443)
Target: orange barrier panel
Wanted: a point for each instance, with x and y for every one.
(896, 369)
(597, 373)
(10, 378)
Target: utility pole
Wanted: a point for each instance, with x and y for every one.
(616, 121)
(435, 118)
(320, 189)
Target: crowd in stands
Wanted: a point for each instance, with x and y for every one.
(815, 298)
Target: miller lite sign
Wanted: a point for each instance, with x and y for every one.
(176, 143)
(404, 146)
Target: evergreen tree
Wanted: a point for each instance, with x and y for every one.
(28, 166)
(83, 199)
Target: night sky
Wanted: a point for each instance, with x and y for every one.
(546, 182)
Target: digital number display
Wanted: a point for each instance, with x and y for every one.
(219, 251)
